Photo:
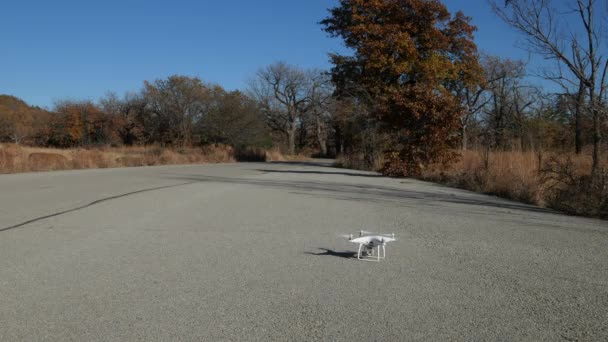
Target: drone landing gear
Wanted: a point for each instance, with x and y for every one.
(367, 253)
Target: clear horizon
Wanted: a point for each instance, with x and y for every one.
(75, 50)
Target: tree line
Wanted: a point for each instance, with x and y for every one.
(414, 91)
(284, 106)
(176, 111)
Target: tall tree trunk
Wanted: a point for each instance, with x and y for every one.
(578, 119)
(338, 140)
(597, 139)
(463, 133)
(291, 133)
(597, 127)
(498, 136)
(320, 138)
(497, 123)
(593, 101)
(301, 133)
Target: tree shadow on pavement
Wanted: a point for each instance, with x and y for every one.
(350, 174)
(319, 163)
(464, 202)
(369, 193)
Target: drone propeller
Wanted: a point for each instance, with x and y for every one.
(364, 232)
(346, 236)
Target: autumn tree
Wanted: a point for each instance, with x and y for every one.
(19, 122)
(174, 106)
(69, 128)
(408, 57)
(15, 125)
(129, 115)
(82, 123)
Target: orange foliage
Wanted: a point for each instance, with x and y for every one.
(18, 121)
(410, 58)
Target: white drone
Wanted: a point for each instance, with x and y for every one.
(367, 242)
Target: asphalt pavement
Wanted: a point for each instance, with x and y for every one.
(252, 252)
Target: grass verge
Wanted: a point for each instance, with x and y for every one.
(17, 158)
(559, 181)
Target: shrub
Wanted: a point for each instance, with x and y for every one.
(572, 191)
(250, 154)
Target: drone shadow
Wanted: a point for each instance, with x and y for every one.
(329, 252)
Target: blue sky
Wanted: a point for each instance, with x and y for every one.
(52, 50)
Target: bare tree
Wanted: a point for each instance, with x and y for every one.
(577, 51)
(475, 97)
(321, 109)
(285, 94)
(504, 92)
(474, 100)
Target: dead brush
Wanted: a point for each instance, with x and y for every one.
(88, 159)
(570, 189)
(217, 153)
(359, 161)
(276, 154)
(8, 157)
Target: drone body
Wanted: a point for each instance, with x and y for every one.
(367, 243)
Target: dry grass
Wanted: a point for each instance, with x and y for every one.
(513, 175)
(560, 181)
(15, 158)
(275, 154)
